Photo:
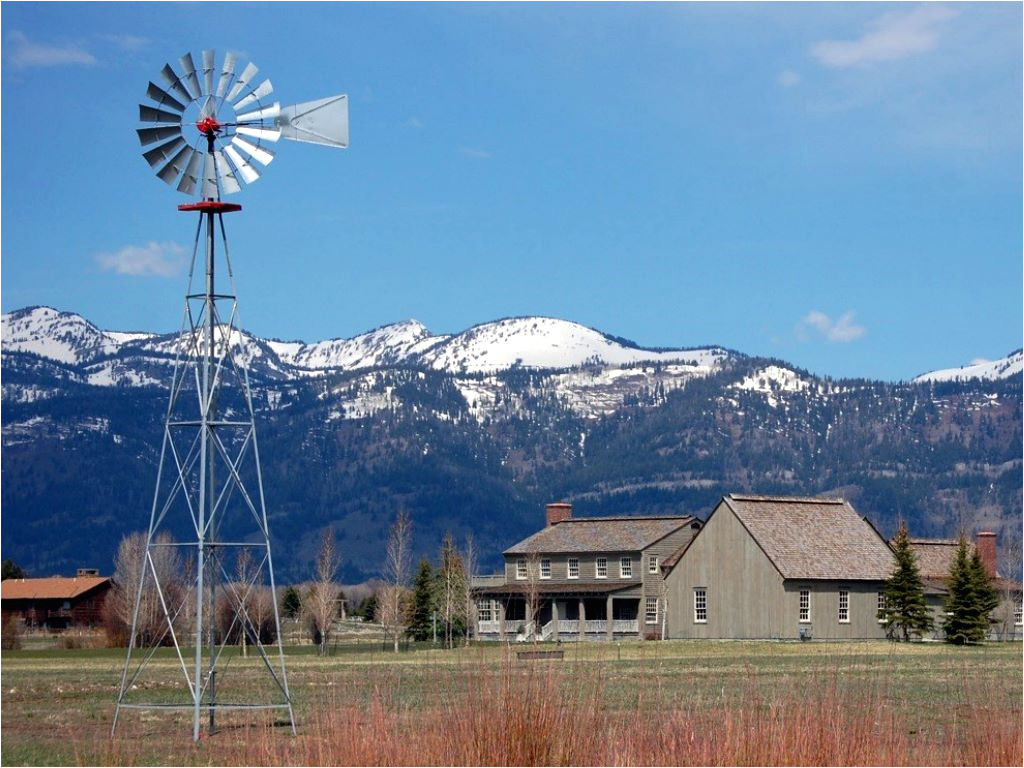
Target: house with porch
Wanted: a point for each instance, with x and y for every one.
(592, 578)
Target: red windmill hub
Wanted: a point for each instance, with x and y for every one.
(209, 126)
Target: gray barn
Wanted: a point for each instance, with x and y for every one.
(779, 568)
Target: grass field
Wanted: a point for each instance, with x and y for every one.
(667, 703)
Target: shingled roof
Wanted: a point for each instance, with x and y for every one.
(601, 534)
(934, 556)
(814, 538)
(53, 588)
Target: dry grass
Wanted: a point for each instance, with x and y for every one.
(644, 703)
(547, 716)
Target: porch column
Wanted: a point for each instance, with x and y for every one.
(501, 619)
(554, 616)
(582, 617)
(611, 632)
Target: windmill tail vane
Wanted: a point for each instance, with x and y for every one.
(208, 130)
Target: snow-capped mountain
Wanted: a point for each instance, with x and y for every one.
(472, 432)
(61, 336)
(987, 370)
(540, 343)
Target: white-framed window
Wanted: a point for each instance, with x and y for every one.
(601, 571)
(574, 567)
(652, 563)
(651, 610)
(844, 606)
(805, 605)
(1018, 611)
(483, 611)
(521, 568)
(881, 607)
(545, 568)
(700, 605)
(625, 568)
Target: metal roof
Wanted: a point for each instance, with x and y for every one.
(53, 588)
(807, 538)
(601, 534)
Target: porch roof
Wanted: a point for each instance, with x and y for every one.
(556, 588)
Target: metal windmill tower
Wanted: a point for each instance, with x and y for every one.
(207, 564)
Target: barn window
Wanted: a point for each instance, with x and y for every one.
(521, 568)
(602, 567)
(574, 567)
(652, 564)
(1018, 611)
(805, 605)
(625, 568)
(844, 606)
(545, 568)
(881, 607)
(700, 605)
(651, 610)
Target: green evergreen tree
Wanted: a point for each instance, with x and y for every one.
(291, 602)
(905, 612)
(423, 605)
(985, 595)
(11, 570)
(970, 599)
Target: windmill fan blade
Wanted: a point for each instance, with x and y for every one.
(243, 80)
(228, 183)
(176, 165)
(247, 172)
(163, 98)
(191, 176)
(176, 84)
(160, 155)
(263, 89)
(324, 121)
(257, 153)
(209, 57)
(153, 115)
(226, 73)
(269, 134)
(149, 135)
(260, 114)
(190, 74)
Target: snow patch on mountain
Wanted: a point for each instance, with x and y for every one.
(61, 336)
(387, 345)
(1003, 368)
(545, 343)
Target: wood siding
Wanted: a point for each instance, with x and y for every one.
(588, 568)
(747, 598)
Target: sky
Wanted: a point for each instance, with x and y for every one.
(835, 185)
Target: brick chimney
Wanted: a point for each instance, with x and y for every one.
(558, 512)
(986, 545)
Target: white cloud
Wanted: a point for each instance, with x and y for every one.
(894, 35)
(22, 53)
(414, 122)
(840, 331)
(128, 42)
(788, 78)
(159, 259)
(482, 154)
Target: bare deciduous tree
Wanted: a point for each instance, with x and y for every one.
(468, 567)
(321, 604)
(451, 600)
(531, 594)
(392, 598)
(173, 576)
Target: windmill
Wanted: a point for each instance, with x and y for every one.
(207, 568)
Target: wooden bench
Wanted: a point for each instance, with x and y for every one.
(526, 655)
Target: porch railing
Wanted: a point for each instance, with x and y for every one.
(625, 625)
(489, 626)
(596, 625)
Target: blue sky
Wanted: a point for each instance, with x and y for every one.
(836, 185)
